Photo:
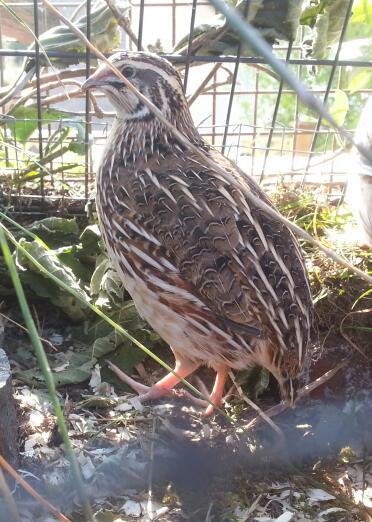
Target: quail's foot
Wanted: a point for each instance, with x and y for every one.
(165, 386)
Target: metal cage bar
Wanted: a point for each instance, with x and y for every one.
(259, 146)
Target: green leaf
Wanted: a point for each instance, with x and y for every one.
(106, 284)
(364, 295)
(360, 80)
(90, 238)
(339, 107)
(254, 380)
(102, 264)
(127, 316)
(312, 10)
(77, 145)
(23, 122)
(327, 17)
(78, 369)
(360, 24)
(42, 285)
(55, 231)
(126, 357)
(70, 257)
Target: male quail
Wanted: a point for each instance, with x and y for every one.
(222, 282)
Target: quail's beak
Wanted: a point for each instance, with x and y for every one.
(100, 78)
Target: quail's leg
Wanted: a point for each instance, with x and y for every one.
(218, 390)
(183, 368)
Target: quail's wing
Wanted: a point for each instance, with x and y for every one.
(244, 265)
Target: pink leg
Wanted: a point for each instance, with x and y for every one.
(183, 368)
(218, 390)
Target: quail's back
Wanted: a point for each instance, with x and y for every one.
(220, 280)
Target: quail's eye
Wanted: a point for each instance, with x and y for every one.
(128, 72)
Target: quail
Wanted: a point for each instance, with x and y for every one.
(221, 281)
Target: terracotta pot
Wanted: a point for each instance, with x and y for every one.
(304, 136)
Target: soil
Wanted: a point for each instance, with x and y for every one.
(199, 467)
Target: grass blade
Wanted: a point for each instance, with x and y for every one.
(44, 365)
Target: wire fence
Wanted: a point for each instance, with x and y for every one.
(238, 104)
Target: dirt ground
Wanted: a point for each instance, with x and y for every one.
(166, 462)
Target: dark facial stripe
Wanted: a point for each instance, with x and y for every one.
(153, 60)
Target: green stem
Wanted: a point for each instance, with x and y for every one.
(41, 162)
(48, 376)
(23, 229)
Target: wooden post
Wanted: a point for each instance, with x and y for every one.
(8, 416)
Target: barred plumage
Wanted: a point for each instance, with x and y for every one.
(220, 281)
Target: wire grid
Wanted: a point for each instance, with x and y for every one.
(227, 112)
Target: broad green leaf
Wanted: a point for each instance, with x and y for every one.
(360, 24)
(339, 106)
(25, 120)
(360, 80)
(254, 380)
(56, 231)
(42, 285)
(102, 264)
(327, 18)
(90, 238)
(78, 367)
(77, 145)
(106, 284)
(127, 316)
(70, 257)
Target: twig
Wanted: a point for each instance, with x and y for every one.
(279, 408)
(203, 84)
(60, 97)
(337, 153)
(202, 387)
(271, 412)
(209, 37)
(8, 498)
(143, 388)
(261, 413)
(209, 512)
(253, 507)
(324, 378)
(30, 490)
(43, 161)
(123, 21)
(64, 75)
(150, 507)
(348, 339)
(46, 86)
(221, 174)
(215, 86)
(25, 330)
(264, 69)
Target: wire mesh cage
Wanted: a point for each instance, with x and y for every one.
(52, 132)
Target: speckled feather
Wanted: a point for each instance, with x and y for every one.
(221, 281)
